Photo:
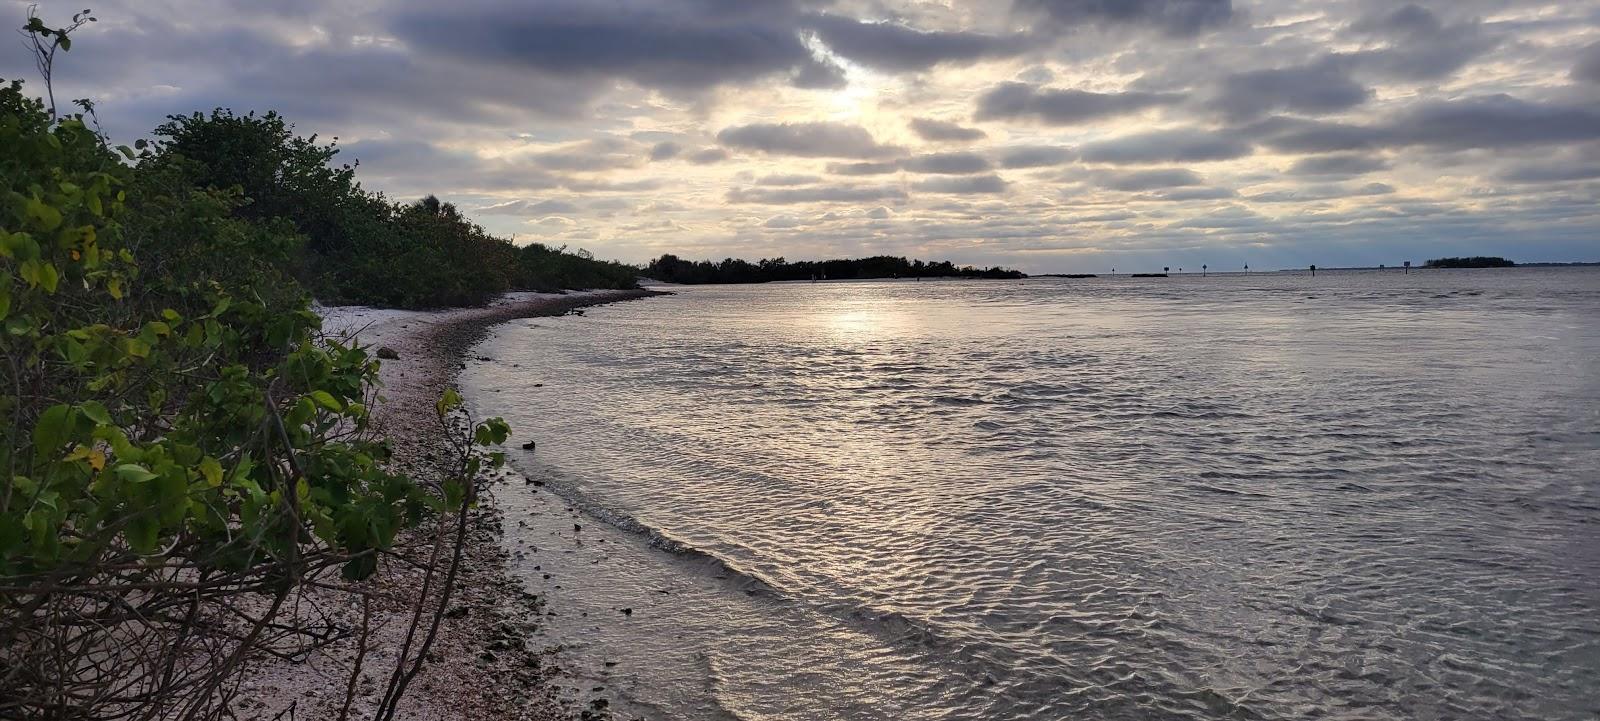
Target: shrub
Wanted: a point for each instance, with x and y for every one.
(178, 439)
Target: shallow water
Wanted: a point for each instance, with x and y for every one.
(1359, 495)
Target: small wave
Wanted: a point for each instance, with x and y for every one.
(1226, 491)
(957, 401)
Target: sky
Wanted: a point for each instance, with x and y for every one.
(1043, 135)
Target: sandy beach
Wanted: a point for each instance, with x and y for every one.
(481, 666)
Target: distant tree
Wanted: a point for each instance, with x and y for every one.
(1477, 261)
(673, 269)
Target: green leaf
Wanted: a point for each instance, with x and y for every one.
(326, 400)
(137, 348)
(96, 412)
(53, 429)
(45, 216)
(143, 533)
(450, 401)
(134, 473)
(48, 277)
(360, 567)
(211, 470)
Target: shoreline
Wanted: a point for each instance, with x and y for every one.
(487, 630)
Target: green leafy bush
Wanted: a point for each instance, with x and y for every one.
(177, 434)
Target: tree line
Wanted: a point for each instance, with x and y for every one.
(353, 246)
(672, 269)
(1476, 261)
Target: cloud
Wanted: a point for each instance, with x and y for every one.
(785, 180)
(819, 139)
(665, 150)
(1561, 171)
(977, 184)
(1314, 89)
(564, 109)
(948, 163)
(943, 131)
(821, 194)
(1189, 194)
(819, 76)
(1036, 156)
(667, 44)
(1054, 106)
(1339, 164)
(414, 167)
(883, 168)
(537, 209)
(782, 221)
(1419, 46)
(1139, 180)
(1176, 17)
(603, 153)
(588, 185)
(1496, 121)
(897, 48)
(1588, 67)
(1167, 146)
(1484, 122)
(1321, 192)
(708, 156)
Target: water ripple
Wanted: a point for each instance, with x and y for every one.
(1238, 498)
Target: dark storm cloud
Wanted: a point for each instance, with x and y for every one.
(883, 168)
(978, 184)
(1177, 17)
(807, 140)
(1054, 106)
(1314, 89)
(898, 48)
(1166, 146)
(671, 44)
(1036, 156)
(793, 196)
(1339, 164)
(941, 131)
(948, 164)
(1588, 67)
(1138, 180)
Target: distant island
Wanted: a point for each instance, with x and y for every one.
(672, 269)
(1476, 261)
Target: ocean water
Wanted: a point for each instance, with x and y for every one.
(1356, 496)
